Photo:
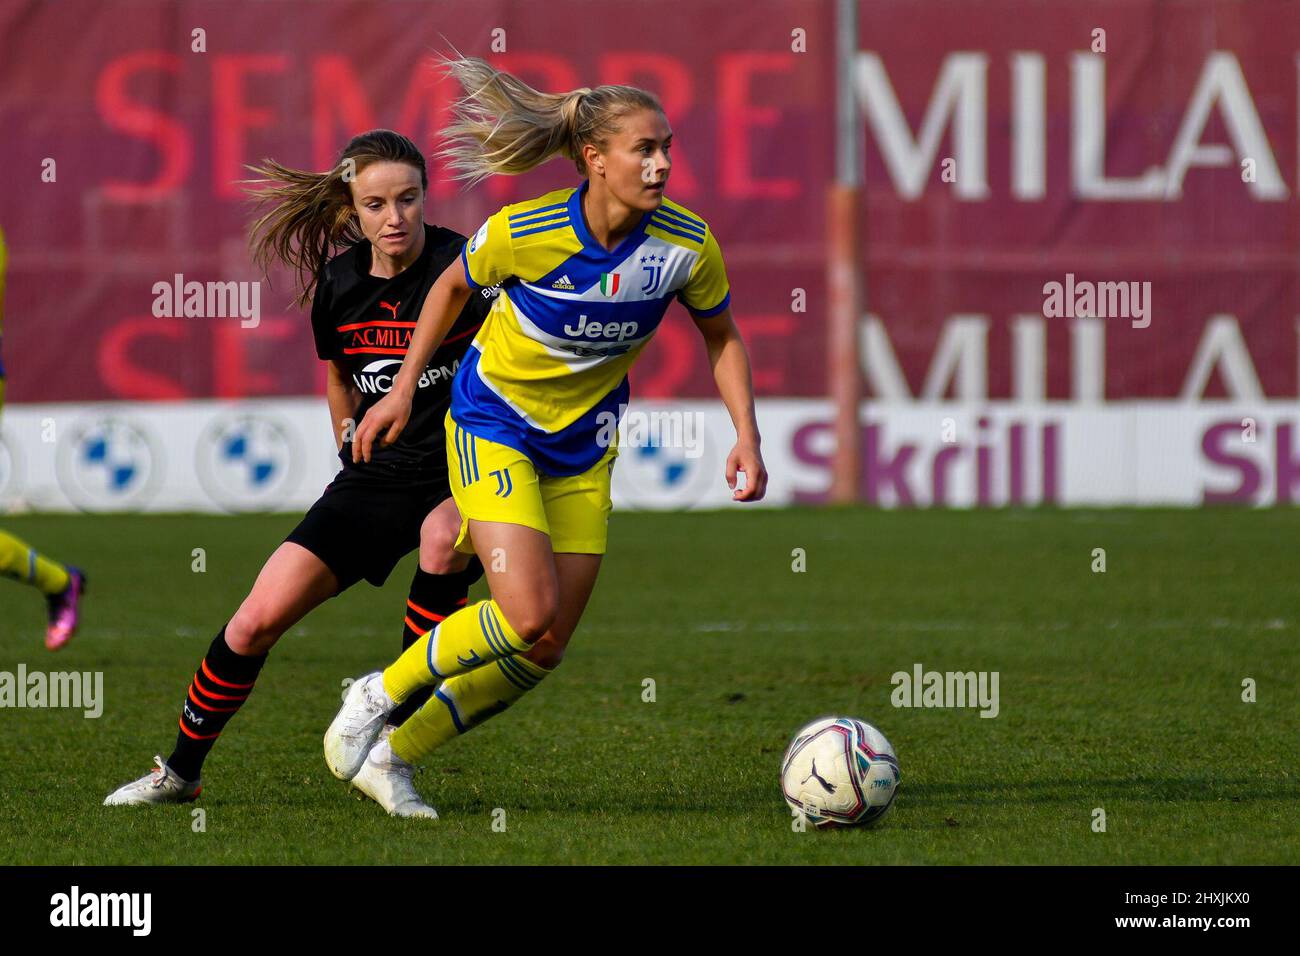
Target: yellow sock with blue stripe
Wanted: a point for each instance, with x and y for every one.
(26, 564)
(473, 636)
(463, 702)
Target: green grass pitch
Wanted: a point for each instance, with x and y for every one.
(1119, 690)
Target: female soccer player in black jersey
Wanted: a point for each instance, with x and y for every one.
(364, 305)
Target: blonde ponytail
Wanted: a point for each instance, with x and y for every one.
(502, 126)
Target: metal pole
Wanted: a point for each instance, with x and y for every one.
(844, 264)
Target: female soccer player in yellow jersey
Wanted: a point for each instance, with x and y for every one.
(586, 275)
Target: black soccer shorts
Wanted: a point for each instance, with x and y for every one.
(369, 518)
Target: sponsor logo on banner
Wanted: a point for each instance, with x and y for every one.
(245, 462)
(109, 464)
(948, 460)
(657, 475)
(224, 456)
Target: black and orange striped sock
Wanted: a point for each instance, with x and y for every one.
(220, 686)
(432, 598)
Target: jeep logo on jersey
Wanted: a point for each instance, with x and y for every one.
(618, 331)
(377, 377)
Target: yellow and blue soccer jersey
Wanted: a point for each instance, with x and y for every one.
(547, 373)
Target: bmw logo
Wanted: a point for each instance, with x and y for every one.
(108, 464)
(247, 462)
(653, 474)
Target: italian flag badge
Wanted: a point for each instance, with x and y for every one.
(609, 283)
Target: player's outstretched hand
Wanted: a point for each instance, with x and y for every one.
(746, 457)
(382, 423)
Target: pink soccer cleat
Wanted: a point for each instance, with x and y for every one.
(63, 611)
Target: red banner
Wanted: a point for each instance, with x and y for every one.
(1062, 202)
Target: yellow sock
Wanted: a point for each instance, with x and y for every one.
(23, 563)
(473, 636)
(463, 702)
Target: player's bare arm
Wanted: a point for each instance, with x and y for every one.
(343, 398)
(730, 364)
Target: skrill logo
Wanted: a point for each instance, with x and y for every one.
(999, 459)
(1225, 445)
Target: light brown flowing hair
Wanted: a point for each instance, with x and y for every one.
(304, 216)
(502, 126)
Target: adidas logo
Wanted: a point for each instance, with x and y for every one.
(562, 282)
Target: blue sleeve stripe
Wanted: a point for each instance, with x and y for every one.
(661, 225)
(465, 262)
(528, 213)
(516, 224)
(705, 313)
(686, 221)
(543, 228)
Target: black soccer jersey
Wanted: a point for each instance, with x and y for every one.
(365, 323)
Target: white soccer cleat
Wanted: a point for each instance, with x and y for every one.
(385, 778)
(357, 725)
(161, 785)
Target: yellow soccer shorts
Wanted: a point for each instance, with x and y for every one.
(494, 482)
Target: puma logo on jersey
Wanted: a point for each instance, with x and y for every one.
(618, 331)
(390, 308)
(563, 282)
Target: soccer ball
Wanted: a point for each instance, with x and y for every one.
(840, 771)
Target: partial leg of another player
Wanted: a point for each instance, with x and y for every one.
(291, 583)
(62, 585)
